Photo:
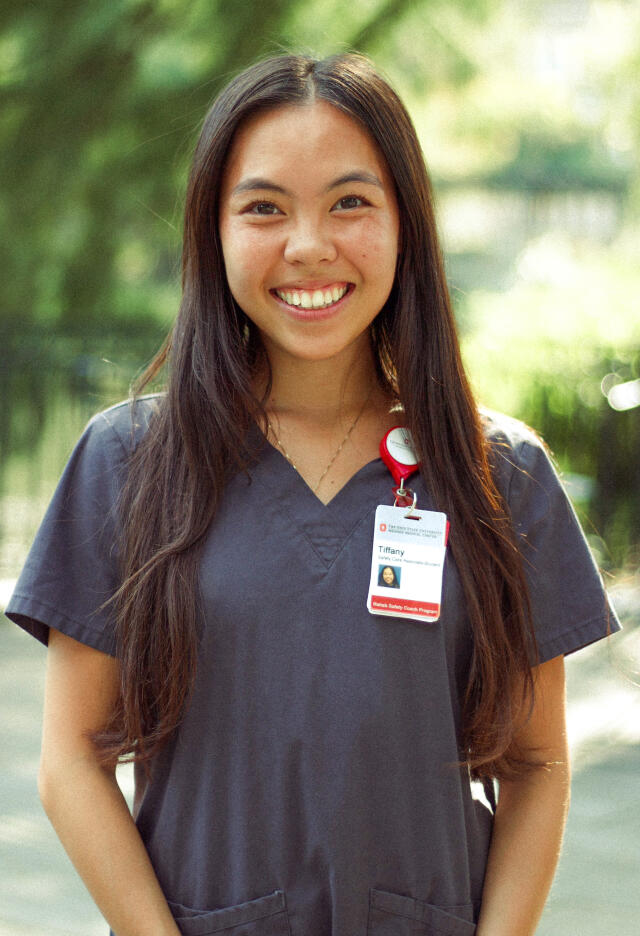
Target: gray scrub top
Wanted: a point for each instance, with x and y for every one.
(312, 788)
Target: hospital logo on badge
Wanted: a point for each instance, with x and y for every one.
(383, 527)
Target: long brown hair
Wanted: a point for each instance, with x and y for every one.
(197, 437)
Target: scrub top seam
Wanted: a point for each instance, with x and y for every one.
(346, 533)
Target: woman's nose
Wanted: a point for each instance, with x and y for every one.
(309, 243)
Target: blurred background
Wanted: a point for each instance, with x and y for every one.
(529, 115)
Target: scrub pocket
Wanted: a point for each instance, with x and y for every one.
(266, 916)
(395, 915)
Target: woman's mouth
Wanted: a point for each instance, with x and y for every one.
(316, 299)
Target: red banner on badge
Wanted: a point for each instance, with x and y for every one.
(405, 606)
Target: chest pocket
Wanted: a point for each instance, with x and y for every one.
(266, 916)
(395, 915)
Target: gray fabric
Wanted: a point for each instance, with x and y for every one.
(311, 788)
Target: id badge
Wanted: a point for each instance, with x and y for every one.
(407, 563)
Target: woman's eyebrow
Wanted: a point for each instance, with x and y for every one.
(358, 175)
(255, 183)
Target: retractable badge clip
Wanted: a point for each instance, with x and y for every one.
(397, 452)
(407, 558)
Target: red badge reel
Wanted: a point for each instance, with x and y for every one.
(396, 451)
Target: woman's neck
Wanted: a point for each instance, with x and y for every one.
(327, 417)
(322, 392)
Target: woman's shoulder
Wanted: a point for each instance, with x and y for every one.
(516, 450)
(511, 439)
(507, 432)
(125, 423)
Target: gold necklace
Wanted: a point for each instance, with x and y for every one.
(335, 454)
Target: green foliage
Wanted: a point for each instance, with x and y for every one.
(543, 163)
(541, 350)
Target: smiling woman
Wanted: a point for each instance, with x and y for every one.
(310, 246)
(201, 576)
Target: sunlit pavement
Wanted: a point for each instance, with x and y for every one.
(596, 892)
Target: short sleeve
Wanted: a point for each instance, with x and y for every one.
(568, 601)
(72, 568)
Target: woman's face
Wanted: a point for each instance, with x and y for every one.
(309, 226)
(387, 575)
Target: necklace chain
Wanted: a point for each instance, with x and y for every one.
(335, 454)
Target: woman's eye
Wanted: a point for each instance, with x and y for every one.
(350, 201)
(262, 208)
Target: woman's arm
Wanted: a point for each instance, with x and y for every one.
(530, 818)
(83, 800)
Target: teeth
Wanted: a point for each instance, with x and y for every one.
(317, 299)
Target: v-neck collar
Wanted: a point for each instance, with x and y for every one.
(326, 527)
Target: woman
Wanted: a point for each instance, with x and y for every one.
(388, 577)
(303, 766)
